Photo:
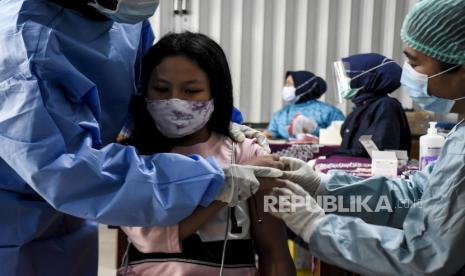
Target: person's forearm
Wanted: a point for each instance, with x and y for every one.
(198, 218)
(274, 257)
(270, 237)
(270, 265)
(168, 239)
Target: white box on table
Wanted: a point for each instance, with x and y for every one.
(384, 163)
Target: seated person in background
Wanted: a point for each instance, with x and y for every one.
(304, 110)
(186, 108)
(368, 80)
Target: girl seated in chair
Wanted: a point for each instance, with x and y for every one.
(186, 108)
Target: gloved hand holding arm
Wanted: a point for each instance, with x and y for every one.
(240, 132)
(270, 160)
(241, 182)
(299, 172)
(307, 215)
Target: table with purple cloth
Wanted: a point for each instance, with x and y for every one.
(358, 166)
(304, 152)
(324, 160)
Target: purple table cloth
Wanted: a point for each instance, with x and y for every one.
(358, 166)
(304, 152)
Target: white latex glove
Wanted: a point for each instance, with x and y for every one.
(306, 216)
(240, 132)
(299, 172)
(241, 182)
(301, 124)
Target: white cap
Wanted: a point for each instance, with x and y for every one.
(432, 128)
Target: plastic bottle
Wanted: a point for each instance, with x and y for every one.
(430, 145)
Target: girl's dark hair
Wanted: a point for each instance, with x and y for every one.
(206, 54)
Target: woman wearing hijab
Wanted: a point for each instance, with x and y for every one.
(370, 78)
(301, 91)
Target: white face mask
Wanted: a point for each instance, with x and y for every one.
(288, 93)
(177, 118)
(129, 11)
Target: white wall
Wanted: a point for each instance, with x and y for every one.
(265, 38)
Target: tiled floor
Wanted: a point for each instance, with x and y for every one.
(107, 251)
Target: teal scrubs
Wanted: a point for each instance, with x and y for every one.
(423, 235)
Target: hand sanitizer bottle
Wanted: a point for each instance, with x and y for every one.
(430, 145)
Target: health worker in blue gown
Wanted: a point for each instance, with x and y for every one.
(68, 70)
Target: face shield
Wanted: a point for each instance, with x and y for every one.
(343, 81)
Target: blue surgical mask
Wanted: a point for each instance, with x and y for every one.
(129, 11)
(417, 88)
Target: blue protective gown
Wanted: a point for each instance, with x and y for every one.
(65, 85)
(321, 112)
(425, 233)
(237, 116)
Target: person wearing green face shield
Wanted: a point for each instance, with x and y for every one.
(367, 80)
(422, 232)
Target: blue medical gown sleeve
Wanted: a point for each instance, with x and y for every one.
(430, 241)
(237, 116)
(54, 117)
(111, 185)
